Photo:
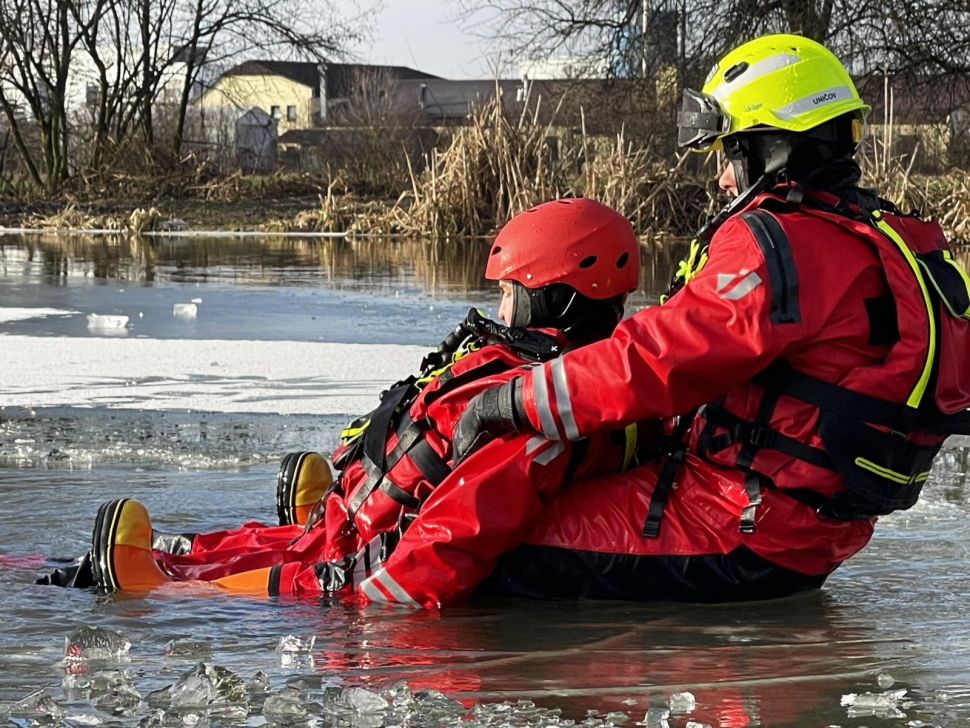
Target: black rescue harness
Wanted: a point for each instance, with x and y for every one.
(367, 440)
(865, 437)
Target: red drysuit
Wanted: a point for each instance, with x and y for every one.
(338, 552)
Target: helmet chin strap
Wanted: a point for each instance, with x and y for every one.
(521, 305)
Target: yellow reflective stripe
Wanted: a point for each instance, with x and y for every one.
(963, 274)
(350, 432)
(920, 389)
(630, 447)
(892, 475)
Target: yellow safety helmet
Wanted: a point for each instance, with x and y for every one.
(777, 81)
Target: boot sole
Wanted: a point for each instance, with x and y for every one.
(286, 487)
(101, 542)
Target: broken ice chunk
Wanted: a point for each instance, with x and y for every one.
(292, 649)
(879, 705)
(188, 649)
(95, 643)
(885, 680)
(106, 322)
(204, 686)
(38, 702)
(682, 703)
(286, 706)
(360, 700)
(185, 310)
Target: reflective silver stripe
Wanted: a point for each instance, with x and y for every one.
(541, 392)
(394, 589)
(563, 402)
(748, 284)
(550, 453)
(754, 72)
(534, 442)
(822, 98)
(372, 592)
(367, 558)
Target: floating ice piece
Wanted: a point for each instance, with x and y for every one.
(185, 310)
(286, 706)
(119, 697)
(197, 299)
(885, 680)
(38, 702)
(695, 724)
(292, 649)
(259, 683)
(682, 703)
(106, 322)
(362, 701)
(657, 716)
(205, 687)
(95, 643)
(617, 717)
(188, 649)
(103, 682)
(82, 720)
(879, 705)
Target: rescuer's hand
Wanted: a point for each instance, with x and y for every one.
(494, 411)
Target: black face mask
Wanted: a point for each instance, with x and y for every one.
(559, 306)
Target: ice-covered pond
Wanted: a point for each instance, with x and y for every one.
(188, 411)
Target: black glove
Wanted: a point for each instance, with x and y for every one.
(494, 411)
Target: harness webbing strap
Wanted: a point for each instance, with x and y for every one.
(739, 430)
(661, 491)
(873, 410)
(782, 276)
(752, 487)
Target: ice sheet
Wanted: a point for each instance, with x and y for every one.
(9, 314)
(270, 377)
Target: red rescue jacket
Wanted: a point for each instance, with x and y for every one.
(826, 349)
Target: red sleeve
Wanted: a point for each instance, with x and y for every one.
(666, 360)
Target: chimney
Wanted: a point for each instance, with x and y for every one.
(322, 74)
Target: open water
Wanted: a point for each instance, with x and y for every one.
(885, 643)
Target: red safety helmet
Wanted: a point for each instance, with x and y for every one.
(582, 243)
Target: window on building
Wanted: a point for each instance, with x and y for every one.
(291, 113)
(275, 111)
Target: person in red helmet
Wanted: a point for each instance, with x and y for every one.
(564, 269)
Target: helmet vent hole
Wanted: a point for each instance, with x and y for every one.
(587, 262)
(496, 250)
(622, 261)
(736, 70)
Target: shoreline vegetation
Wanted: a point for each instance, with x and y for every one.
(484, 173)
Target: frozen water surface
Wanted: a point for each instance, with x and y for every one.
(190, 416)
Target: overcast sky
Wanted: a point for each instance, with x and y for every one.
(425, 34)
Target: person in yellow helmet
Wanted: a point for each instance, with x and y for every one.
(813, 351)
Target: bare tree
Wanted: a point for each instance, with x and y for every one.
(135, 53)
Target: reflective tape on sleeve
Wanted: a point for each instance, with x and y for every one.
(563, 402)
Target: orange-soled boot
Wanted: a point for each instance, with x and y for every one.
(121, 548)
(302, 482)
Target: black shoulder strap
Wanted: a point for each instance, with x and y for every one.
(782, 276)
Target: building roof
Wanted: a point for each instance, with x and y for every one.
(445, 99)
(340, 76)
